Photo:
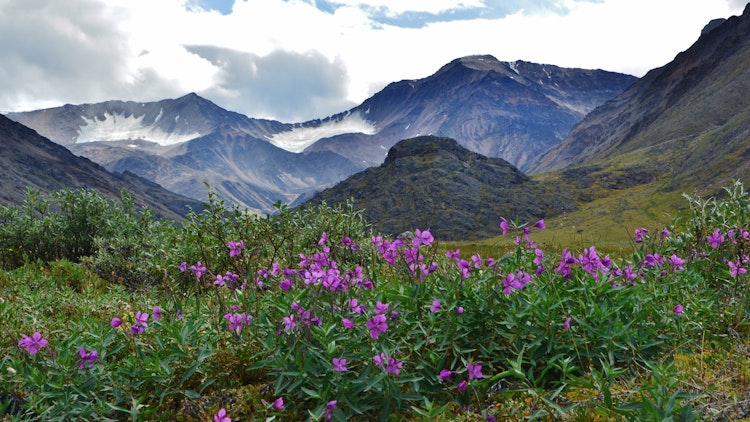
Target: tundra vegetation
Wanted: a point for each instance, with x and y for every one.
(109, 313)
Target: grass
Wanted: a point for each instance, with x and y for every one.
(625, 356)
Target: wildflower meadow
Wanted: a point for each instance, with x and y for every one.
(109, 313)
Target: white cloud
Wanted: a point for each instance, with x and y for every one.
(295, 60)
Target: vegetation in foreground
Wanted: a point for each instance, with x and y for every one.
(110, 314)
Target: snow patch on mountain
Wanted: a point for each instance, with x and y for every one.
(299, 138)
(116, 127)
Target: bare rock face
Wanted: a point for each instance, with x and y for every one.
(513, 111)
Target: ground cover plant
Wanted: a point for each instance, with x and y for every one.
(308, 315)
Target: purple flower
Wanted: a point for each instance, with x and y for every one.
(221, 416)
(198, 269)
(735, 268)
(475, 370)
(377, 325)
(460, 310)
(289, 322)
(323, 238)
(339, 365)
(454, 255)
(677, 263)
(330, 407)
(157, 313)
(715, 239)
(136, 329)
(87, 358)
(540, 224)
(665, 232)
(141, 318)
(183, 266)
(347, 323)
(678, 310)
(379, 359)
(279, 403)
(381, 308)
(435, 306)
(237, 321)
(286, 284)
(116, 322)
(639, 234)
(566, 324)
(394, 367)
(235, 248)
(504, 225)
(423, 237)
(462, 386)
(491, 418)
(32, 344)
(445, 374)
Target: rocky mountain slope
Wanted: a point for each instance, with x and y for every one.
(433, 182)
(510, 110)
(28, 160)
(686, 124)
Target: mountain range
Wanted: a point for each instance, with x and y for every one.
(28, 160)
(509, 110)
(683, 127)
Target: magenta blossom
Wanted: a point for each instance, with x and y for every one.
(339, 365)
(394, 367)
(445, 374)
(116, 322)
(221, 416)
(462, 386)
(475, 370)
(279, 403)
(678, 310)
(235, 248)
(639, 234)
(157, 313)
(715, 239)
(198, 268)
(330, 407)
(540, 225)
(566, 324)
(504, 225)
(347, 323)
(377, 325)
(435, 306)
(379, 359)
(735, 268)
(87, 358)
(32, 344)
(423, 238)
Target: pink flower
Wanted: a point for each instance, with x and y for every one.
(540, 224)
(116, 322)
(462, 386)
(393, 367)
(475, 370)
(566, 324)
(445, 374)
(678, 310)
(221, 416)
(504, 225)
(347, 323)
(435, 306)
(32, 344)
(278, 403)
(339, 365)
(235, 248)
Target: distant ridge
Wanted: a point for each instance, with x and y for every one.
(28, 160)
(433, 182)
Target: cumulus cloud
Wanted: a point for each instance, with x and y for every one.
(294, 60)
(284, 85)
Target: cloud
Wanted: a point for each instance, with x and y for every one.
(284, 85)
(301, 59)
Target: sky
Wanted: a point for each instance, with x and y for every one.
(296, 60)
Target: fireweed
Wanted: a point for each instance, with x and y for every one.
(344, 324)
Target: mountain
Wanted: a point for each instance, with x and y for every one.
(27, 159)
(684, 126)
(433, 182)
(510, 110)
